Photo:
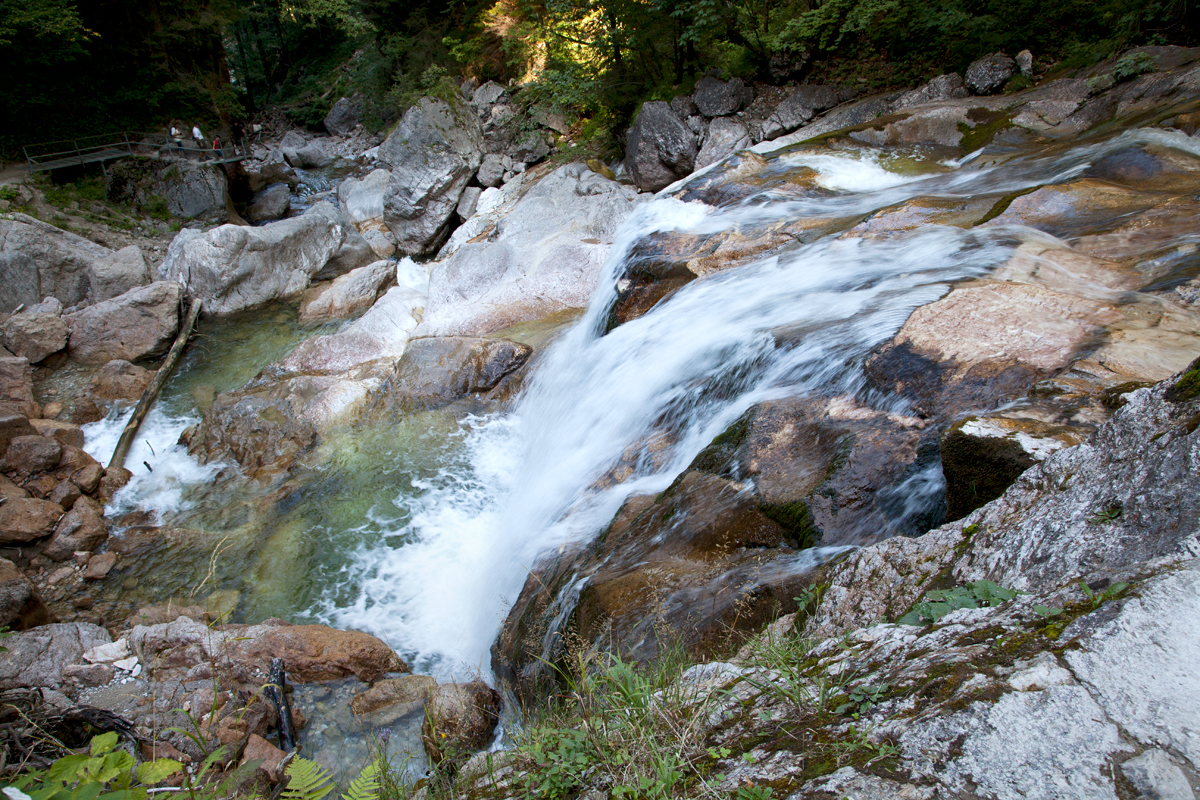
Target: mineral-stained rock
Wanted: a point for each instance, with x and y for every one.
(16, 388)
(433, 152)
(437, 370)
(37, 657)
(29, 455)
(461, 717)
(311, 652)
(138, 324)
(391, 699)
(81, 529)
(120, 380)
(660, 148)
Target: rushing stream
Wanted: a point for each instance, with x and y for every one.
(423, 532)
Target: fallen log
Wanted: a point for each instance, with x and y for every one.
(156, 385)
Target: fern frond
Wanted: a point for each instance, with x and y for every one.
(307, 780)
(366, 785)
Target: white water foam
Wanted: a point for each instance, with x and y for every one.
(162, 469)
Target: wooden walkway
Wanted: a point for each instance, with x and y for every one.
(109, 147)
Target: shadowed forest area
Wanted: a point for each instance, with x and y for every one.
(77, 67)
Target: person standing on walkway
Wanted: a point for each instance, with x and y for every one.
(198, 138)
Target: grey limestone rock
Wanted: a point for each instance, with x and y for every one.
(37, 657)
(39, 260)
(1156, 778)
(432, 154)
(798, 108)
(989, 74)
(487, 94)
(1025, 63)
(311, 156)
(362, 200)
(342, 118)
(660, 149)
(468, 201)
(943, 87)
(119, 272)
(725, 135)
(233, 268)
(491, 170)
(437, 370)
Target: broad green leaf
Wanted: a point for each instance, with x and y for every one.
(157, 771)
(104, 743)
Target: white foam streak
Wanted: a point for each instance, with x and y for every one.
(162, 469)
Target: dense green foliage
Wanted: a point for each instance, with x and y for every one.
(75, 68)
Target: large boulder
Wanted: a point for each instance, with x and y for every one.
(38, 260)
(660, 149)
(310, 156)
(81, 529)
(116, 274)
(234, 267)
(342, 118)
(139, 324)
(381, 333)
(260, 433)
(362, 200)
(274, 202)
(26, 519)
(943, 87)
(988, 75)
(544, 256)
(432, 154)
(119, 380)
(189, 189)
(310, 652)
(35, 336)
(717, 98)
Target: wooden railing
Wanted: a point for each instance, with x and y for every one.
(107, 147)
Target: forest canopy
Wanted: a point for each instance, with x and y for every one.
(79, 67)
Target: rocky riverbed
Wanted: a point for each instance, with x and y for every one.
(853, 351)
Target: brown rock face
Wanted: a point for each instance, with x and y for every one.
(260, 433)
(11, 426)
(29, 455)
(120, 380)
(16, 388)
(438, 370)
(81, 528)
(27, 519)
(21, 607)
(35, 336)
(460, 720)
(65, 433)
(310, 652)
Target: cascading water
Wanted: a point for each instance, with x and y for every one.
(432, 559)
(527, 482)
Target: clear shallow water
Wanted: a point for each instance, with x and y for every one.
(422, 530)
